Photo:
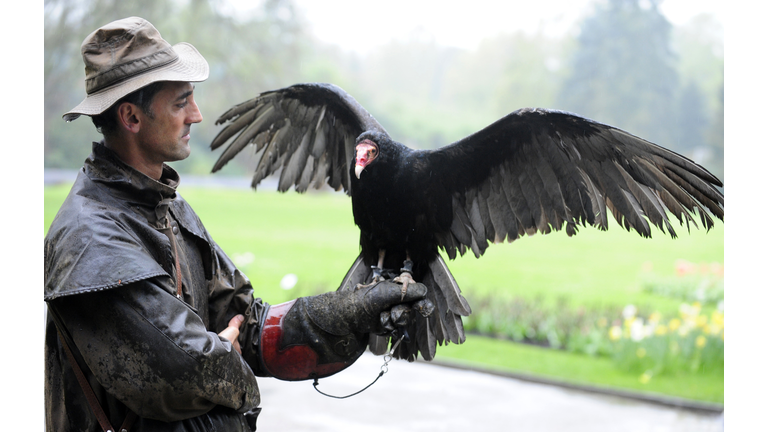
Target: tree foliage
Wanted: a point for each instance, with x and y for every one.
(627, 66)
(629, 69)
(246, 54)
(622, 72)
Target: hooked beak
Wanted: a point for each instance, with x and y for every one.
(365, 153)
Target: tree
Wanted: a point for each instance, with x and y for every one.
(247, 54)
(699, 46)
(623, 70)
(715, 137)
(693, 120)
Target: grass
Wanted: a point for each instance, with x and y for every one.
(313, 236)
(573, 368)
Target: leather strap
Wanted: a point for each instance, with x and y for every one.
(90, 396)
(101, 416)
(168, 231)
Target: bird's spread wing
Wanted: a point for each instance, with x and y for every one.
(307, 130)
(539, 170)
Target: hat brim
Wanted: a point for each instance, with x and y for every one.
(190, 67)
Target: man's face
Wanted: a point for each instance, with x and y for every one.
(165, 137)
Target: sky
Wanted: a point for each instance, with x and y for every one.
(457, 23)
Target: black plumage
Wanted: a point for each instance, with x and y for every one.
(534, 170)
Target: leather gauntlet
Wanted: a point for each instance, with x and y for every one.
(318, 336)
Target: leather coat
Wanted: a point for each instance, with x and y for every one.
(110, 281)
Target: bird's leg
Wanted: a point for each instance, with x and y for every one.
(377, 271)
(406, 276)
(380, 266)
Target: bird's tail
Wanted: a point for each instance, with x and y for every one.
(442, 326)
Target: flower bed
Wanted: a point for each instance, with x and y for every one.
(639, 340)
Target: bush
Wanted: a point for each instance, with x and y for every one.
(691, 342)
(561, 325)
(701, 283)
(637, 341)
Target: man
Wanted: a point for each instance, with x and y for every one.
(150, 326)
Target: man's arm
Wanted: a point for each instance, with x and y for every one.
(308, 337)
(153, 353)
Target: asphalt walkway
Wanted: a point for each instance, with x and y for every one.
(425, 397)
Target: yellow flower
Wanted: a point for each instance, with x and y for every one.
(701, 320)
(674, 323)
(701, 341)
(628, 321)
(718, 318)
(661, 330)
(645, 377)
(615, 333)
(655, 317)
(641, 352)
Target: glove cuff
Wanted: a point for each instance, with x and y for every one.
(293, 348)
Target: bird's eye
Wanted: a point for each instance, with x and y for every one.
(374, 151)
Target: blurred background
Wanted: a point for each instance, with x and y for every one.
(607, 310)
(430, 72)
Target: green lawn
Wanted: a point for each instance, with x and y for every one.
(559, 365)
(313, 236)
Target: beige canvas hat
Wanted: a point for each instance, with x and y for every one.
(126, 55)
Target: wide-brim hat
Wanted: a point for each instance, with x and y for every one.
(126, 55)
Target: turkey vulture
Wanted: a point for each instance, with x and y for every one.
(534, 170)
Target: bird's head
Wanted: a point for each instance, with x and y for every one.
(376, 154)
(366, 151)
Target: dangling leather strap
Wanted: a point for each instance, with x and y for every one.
(163, 215)
(168, 231)
(90, 396)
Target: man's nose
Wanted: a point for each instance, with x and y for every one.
(195, 116)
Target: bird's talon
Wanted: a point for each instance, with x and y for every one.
(377, 277)
(405, 278)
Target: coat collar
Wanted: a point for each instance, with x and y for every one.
(150, 197)
(104, 166)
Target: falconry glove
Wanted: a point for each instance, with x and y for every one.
(317, 336)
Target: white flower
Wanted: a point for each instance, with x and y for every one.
(637, 331)
(288, 281)
(243, 259)
(629, 311)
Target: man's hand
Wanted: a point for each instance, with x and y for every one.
(233, 331)
(359, 310)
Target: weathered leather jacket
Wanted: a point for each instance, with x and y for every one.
(110, 282)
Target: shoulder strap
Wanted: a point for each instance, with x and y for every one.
(98, 411)
(168, 231)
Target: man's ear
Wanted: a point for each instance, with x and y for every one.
(128, 118)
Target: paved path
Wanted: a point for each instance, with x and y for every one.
(425, 397)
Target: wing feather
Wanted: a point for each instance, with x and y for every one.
(540, 170)
(307, 130)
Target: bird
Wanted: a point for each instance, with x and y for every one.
(532, 171)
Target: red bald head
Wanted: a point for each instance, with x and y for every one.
(365, 152)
